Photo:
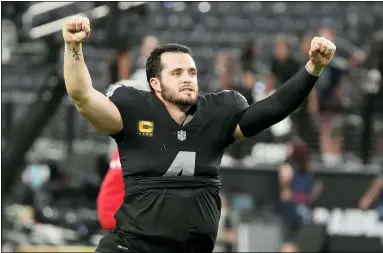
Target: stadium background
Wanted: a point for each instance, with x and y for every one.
(233, 43)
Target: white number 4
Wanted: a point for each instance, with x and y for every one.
(184, 162)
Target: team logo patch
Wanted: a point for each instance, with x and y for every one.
(181, 135)
(145, 128)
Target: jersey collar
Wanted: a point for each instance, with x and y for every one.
(163, 114)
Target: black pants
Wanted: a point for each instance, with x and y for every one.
(111, 243)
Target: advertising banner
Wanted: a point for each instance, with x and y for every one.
(348, 228)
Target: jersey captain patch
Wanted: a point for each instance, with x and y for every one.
(145, 128)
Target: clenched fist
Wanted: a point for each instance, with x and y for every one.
(76, 29)
(321, 51)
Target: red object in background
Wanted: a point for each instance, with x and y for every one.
(111, 195)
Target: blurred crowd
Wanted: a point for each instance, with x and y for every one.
(250, 47)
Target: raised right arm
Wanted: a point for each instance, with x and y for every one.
(92, 104)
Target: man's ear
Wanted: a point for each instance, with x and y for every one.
(155, 84)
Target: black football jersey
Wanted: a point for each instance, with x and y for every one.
(171, 170)
(152, 144)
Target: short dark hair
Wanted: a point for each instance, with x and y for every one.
(153, 64)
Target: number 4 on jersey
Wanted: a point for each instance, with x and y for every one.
(184, 163)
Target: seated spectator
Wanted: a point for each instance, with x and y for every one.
(298, 188)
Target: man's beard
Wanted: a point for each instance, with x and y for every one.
(173, 98)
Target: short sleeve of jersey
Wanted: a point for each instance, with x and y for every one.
(125, 99)
(233, 105)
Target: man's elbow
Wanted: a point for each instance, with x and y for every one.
(104, 118)
(80, 97)
(109, 127)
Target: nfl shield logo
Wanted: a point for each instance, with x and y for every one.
(181, 135)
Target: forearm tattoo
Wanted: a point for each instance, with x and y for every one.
(76, 55)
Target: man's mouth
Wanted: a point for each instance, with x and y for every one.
(187, 89)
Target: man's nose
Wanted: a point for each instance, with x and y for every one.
(186, 78)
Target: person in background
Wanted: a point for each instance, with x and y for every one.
(226, 236)
(330, 90)
(248, 56)
(132, 65)
(246, 86)
(111, 195)
(308, 115)
(283, 65)
(371, 106)
(373, 192)
(223, 73)
(298, 188)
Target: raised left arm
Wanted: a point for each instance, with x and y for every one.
(289, 96)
